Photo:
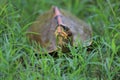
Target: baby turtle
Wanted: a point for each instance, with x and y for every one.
(57, 28)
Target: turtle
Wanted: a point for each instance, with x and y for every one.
(56, 28)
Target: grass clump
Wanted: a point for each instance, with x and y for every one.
(17, 56)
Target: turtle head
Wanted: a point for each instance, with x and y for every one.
(63, 37)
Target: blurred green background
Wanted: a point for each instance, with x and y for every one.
(17, 56)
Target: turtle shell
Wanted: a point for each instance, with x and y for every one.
(43, 30)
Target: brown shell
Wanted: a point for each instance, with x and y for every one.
(43, 29)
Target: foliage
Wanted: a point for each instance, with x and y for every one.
(17, 57)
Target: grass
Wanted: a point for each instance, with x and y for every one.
(17, 56)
